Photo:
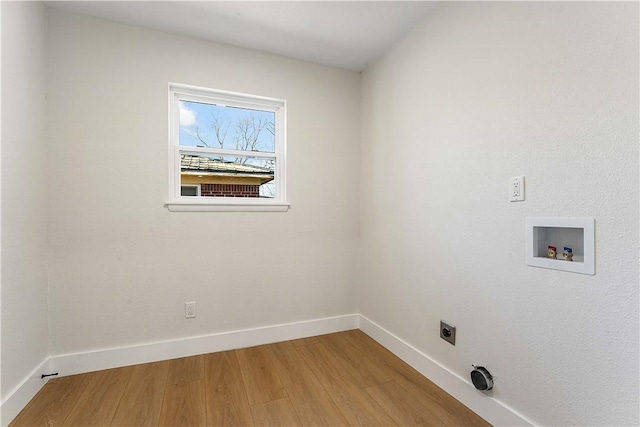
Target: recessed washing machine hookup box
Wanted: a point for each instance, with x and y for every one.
(548, 239)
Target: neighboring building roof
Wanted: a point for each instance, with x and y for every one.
(196, 165)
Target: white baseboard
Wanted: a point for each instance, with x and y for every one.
(21, 395)
(488, 408)
(70, 364)
(77, 363)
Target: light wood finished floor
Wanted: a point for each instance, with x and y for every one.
(338, 379)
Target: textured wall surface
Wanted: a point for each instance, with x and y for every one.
(121, 265)
(476, 94)
(24, 285)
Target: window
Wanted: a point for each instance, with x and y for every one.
(226, 151)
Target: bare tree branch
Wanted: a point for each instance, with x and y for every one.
(248, 130)
(219, 129)
(200, 137)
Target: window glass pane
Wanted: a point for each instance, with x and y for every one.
(189, 190)
(228, 176)
(215, 126)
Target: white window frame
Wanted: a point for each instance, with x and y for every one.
(177, 202)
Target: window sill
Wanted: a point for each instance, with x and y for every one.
(226, 207)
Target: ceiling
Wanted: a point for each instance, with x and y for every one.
(344, 34)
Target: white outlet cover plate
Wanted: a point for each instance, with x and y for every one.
(189, 310)
(516, 189)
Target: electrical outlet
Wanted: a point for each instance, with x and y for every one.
(448, 332)
(516, 188)
(189, 310)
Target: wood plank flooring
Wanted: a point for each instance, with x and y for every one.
(341, 379)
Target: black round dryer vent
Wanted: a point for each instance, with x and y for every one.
(481, 378)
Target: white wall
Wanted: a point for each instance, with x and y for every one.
(24, 284)
(477, 93)
(121, 266)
